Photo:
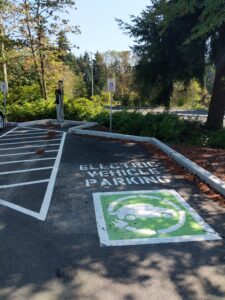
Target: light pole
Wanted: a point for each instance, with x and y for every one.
(92, 74)
(4, 87)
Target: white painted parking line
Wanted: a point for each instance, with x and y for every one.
(20, 209)
(29, 137)
(50, 188)
(26, 170)
(33, 146)
(26, 160)
(38, 141)
(23, 183)
(42, 214)
(26, 153)
(7, 132)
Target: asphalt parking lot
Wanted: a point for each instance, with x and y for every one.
(49, 235)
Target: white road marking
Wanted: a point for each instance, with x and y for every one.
(50, 188)
(23, 183)
(20, 209)
(25, 153)
(7, 132)
(25, 160)
(34, 146)
(29, 137)
(38, 141)
(26, 170)
(51, 181)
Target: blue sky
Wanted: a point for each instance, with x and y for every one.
(99, 30)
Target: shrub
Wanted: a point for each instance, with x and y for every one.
(166, 127)
(28, 111)
(80, 109)
(102, 99)
(217, 139)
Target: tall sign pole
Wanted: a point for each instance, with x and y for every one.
(111, 89)
(92, 74)
(110, 113)
(4, 85)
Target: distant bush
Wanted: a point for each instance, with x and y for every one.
(28, 111)
(102, 99)
(82, 109)
(192, 96)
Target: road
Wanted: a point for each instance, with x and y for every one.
(60, 254)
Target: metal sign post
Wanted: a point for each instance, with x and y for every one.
(111, 89)
(110, 112)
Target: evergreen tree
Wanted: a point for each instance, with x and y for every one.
(175, 40)
(83, 67)
(64, 46)
(99, 74)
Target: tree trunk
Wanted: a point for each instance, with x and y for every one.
(4, 66)
(217, 103)
(40, 38)
(32, 47)
(43, 76)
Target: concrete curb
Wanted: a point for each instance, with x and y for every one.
(10, 124)
(212, 180)
(47, 121)
(83, 126)
(36, 122)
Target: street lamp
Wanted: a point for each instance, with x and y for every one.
(92, 74)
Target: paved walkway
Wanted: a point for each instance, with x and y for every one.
(62, 258)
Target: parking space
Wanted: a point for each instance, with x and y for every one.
(94, 200)
(29, 160)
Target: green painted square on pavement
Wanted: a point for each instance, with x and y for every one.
(148, 217)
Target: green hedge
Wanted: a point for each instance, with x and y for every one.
(168, 128)
(28, 111)
(80, 109)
